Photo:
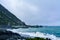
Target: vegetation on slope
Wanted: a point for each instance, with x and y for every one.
(7, 18)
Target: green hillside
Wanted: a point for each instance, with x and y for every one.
(7, 18)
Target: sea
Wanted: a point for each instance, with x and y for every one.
(52, 32)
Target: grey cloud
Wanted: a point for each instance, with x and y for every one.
(44, 12)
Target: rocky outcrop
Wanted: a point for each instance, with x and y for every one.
(8, 35)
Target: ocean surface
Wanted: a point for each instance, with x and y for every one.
(52, 32)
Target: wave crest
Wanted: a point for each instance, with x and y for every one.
(36, 34)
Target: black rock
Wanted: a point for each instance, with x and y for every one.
(48, 39)
(8, 35)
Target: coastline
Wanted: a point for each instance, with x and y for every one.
(9, 35)
(27, 34)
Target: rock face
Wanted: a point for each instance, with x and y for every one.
(7, 18)
(4, 35)
(8, 35)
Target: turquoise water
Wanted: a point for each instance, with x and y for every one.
(55, 30)
(52, 32)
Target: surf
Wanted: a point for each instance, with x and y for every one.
(35, 34)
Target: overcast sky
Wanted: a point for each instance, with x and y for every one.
(35, 12)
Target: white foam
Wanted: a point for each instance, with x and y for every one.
(36, 34)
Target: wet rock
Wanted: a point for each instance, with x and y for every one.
(48, 39)
(8, 35)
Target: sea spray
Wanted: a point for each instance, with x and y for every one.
(35, 34)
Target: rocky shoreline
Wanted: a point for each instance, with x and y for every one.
(8, 35)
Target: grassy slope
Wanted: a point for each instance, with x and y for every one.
(36, 38)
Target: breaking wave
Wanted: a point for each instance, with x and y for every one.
(35, 34)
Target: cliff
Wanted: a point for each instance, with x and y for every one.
(7, 18)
